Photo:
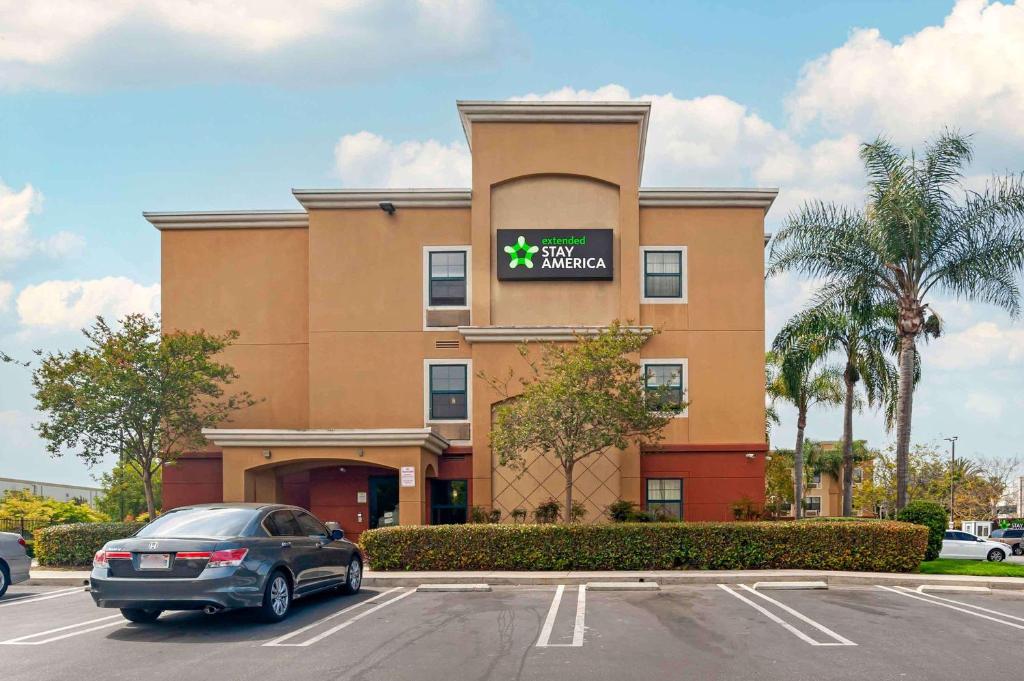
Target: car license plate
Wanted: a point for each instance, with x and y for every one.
(154, 561)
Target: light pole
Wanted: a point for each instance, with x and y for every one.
(952, 473)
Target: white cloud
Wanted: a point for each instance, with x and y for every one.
(368, 160)
(984, 405)
(6, 291)
(16, 239)
(74, 44)
(69, 304)
(966, 72)
(979, 345)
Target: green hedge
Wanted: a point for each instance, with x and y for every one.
(884, 546)
(931, 515)
(74, 545)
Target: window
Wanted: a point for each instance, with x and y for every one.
(447, 278)
(664, 274)
(816, 480)
(448, 393)
(665, 384)
(282, 524)
(858, 475)
(813, 504)
(199, 523)
(311, 527)
(448, 501)
(665, 497)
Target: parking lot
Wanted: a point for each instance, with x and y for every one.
(551, 632)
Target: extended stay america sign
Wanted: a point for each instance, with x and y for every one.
(563, 254)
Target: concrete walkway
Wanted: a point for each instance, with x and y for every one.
(664, 577)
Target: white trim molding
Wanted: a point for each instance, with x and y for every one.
(518, 334)
(239, 219)
(372, 198)
(708, 197)
(359, 437)
(427, 250)
(684, 379)
(683, 272)
(454, 361)
(638, 113)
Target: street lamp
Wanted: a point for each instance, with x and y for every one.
(952, 473)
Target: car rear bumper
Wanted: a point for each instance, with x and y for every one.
(222, 590)
(19, 568)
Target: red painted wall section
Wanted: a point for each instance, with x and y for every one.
(195, 478)
(712, 481)
(333, 496)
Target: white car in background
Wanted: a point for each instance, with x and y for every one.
(957, 544)
(14, 562)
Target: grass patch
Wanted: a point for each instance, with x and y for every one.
(981, 568)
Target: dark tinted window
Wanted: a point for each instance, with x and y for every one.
(283, 524)
(950, 535)
(1014, 534)
(199, 523)
(311, 527)
(448, 396)
(964, 536)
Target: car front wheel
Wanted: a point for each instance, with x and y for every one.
(5, 579)
(277, 598)
(354, 576)
(996, 555)
(1018, 550)
(139, 615)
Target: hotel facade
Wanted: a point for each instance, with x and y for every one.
(366, 315)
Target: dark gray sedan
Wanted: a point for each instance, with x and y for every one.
(218, 556)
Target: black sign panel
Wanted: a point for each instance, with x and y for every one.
(550, 254)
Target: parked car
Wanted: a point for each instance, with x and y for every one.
(14, 561)
(957, 544)
(1014, 538)
(217, 556)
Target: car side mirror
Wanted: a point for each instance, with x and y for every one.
(337, 534)
(980, 540)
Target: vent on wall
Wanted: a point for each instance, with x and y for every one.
(446, 344)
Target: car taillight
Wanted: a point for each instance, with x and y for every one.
(227, 558)
(102, 556)
(21, 540)
(192, 555)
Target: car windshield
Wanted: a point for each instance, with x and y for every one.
(197, 523)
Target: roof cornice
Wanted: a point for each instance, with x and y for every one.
(555, 112)
(519, 334)
(242, 219)
(369, 437)
(372, 198)
(706, 197)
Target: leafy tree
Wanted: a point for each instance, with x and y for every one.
(577, 400)
(778, 482)
(799, 379)
(864, 336)
(124, 493)
(135, 393)
(24, 504)
(921, 234)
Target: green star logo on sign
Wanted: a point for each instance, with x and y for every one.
(521, 254)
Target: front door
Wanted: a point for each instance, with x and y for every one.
(383, 500)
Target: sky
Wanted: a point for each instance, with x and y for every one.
(112, 107)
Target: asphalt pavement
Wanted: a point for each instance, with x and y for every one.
(563, 632)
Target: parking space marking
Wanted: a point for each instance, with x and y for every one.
(544, 640)
(24, 640)
(936, 600)
(45, 597)
(279, 641)
(840, 641)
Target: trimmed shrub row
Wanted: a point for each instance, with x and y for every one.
(883, 546)
(931, 515)
(74, 545)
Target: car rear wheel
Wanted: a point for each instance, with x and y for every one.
(354, 577)
(139, 615)
(277, 598)
(5, 578)
(1018, 549)
(996, 555)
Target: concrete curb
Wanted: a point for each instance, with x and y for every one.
(623, 586)
(57, 578)
(789, 586)
(453, 588)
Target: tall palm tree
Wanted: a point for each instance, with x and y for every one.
(800, 379)
(922, 233)
(865, 337)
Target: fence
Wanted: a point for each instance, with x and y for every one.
(23, 526)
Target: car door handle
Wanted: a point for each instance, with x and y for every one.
(286, 545)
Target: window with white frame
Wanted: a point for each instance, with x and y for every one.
(812, 504)
(663, 274)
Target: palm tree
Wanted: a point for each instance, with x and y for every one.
(865, 336)
(922, 233)
(799, 379)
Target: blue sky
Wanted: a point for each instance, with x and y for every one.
(109, 108)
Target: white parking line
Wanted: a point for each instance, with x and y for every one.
(936, 600)
(817, 625)
(23, 640)
(840, 641)
(544, 640)
(278, 642)
(45, 597)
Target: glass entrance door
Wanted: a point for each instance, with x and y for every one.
(383, 500)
